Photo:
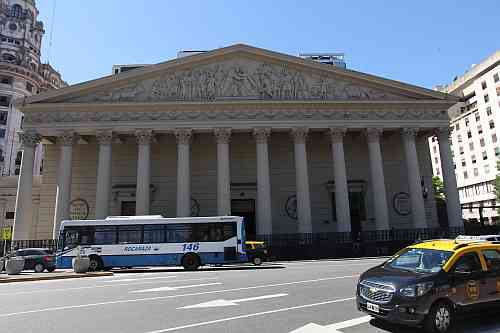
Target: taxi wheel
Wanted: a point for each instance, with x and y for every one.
(439, 319)
(257, 261)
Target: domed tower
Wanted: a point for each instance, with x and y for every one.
(21, 74)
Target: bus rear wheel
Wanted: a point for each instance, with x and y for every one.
(191, 262)
(95, 264)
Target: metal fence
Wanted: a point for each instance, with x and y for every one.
(325, 245)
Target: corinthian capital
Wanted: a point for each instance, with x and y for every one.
(373, 134)
(261, 134)
(67, 138)
(183, 135)
(299, 134)
(29, 138)
(409, 132)
(144, 136)
(337, 134)
(104, 137)
(222, 135)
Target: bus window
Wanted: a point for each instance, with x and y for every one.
(180, 233)
(105, 235)
(129, 234)
(154, 233)
(71, 238)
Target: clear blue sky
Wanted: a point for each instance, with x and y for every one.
(420, 42)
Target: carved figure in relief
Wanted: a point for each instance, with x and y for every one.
(238, 78)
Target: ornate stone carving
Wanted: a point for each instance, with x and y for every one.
(236, 79)
(374, 134)
(409, 133)
(37, 118)
(261, 134)
(337, 134)
(105, 137)
(144, 136)
(29, 138)
(67, 138)
(222, 134)
(183, 135)
(299, 134)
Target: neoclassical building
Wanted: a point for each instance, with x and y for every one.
(292, 145)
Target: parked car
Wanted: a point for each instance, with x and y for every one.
(432, 283)
(256, 252)
(37, 259)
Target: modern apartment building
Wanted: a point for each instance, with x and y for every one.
(475, 138)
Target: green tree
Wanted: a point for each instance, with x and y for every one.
(438, 186)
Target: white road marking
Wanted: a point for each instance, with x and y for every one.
(67, 307)
(98, 286)
(141, 279)
(250, 315)
(332, 328)
(223, 302)
(175, 288)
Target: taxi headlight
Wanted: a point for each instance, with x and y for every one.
(416, 290)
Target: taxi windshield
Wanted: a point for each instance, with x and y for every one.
(420, 260)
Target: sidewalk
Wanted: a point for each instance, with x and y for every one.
(56, 275)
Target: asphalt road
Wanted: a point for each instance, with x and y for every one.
(280, 297)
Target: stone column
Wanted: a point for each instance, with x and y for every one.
(183, 172)
(103, 192)
(414, 180)
(377, 178)
(264, 214)
(453, 207)
(223, 136)
(63, 195)
(144, 139)
(24, 201)
(340, 178)
(299, 135)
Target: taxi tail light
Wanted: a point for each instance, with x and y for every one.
(48, 258)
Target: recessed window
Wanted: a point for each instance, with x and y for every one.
(481, 142)
(486, 168)
(473, 158)
(471, 146)
(457, 126)
(9, 215)
(6, 80)
(4, 101)
(459, 138)
(466, 175)
(436, 160)
(478, 117)
(496, 78)
(2, 135)
(3, 117)
(486, 98)
(485, 155)
(476, 172)
(479, 129)
(463, 162)
(8, 57)
(488, 110)
(492, 124)
(498, 91)
(461, 150)
(494, 138)
(29, 87)
(483, 85)
(497, 151)
(466, 121)
(469, 134)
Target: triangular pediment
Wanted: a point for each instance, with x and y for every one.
(237, 72)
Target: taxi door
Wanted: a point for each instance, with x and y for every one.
(468, 281)
(492, 259)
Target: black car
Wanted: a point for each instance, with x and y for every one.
(257, 252)
(37, 259)
(433, 283)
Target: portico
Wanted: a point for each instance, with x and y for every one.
(291, 127)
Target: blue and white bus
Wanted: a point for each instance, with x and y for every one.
(134, 241)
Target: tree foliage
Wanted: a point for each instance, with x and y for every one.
(438, 186)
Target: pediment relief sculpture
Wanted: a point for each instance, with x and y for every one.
(238, 79)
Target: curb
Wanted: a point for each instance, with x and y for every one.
(55, 277)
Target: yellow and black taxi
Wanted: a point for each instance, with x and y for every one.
(430, 283)
(257, 252)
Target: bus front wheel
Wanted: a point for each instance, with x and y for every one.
(95, 264)
(191, 262)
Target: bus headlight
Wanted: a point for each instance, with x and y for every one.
(416, 290)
